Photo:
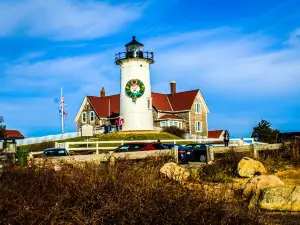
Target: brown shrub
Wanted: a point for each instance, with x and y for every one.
(96, 194)
(175, 131)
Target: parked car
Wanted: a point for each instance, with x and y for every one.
(54, 152)
(198, 151)
(184, 154)
(131, 147)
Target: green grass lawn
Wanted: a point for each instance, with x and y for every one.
(125, 137)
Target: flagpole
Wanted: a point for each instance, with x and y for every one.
(62, 111)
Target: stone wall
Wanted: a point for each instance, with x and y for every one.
(199, 117)
(87, 108)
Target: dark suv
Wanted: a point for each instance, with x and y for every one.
(131, 147)
(198, 151)
(183, 152)
(53, 152)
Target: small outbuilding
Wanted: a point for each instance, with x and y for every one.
(10, 137)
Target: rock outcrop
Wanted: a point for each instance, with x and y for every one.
(175, 172)
(248, 167)
(256, 184)
(280, 198)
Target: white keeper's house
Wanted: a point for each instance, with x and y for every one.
(138, 106)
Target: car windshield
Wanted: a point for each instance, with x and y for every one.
(56, 152)
(123, 148)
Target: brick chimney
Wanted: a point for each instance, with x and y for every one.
(102, 92)
(173, 87)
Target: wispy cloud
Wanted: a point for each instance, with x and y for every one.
(65, 19)
(245, 64)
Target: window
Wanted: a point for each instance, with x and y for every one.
(175, 123)
(123, 148)
(170, 123)
(159, 146)
(136, 147)
(198, 126)
(149, 103)
(198, 108)
(83, 117)
(92, 116)
(162, 123)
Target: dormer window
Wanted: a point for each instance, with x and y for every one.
(198, 108)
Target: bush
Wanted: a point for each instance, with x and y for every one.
(124, 194)
(38, 147)
(175, 131)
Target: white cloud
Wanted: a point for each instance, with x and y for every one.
(65, 19)
(242, 65)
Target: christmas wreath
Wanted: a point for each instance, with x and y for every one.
(134, 89)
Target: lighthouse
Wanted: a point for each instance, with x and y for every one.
(135, 93)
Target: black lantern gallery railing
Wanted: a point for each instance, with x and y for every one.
(134, 54)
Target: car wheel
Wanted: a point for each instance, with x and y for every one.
(202, 158)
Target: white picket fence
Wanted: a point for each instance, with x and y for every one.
(57, 137)
(98, 145)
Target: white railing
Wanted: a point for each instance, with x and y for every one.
(99, 145)
(57, 137)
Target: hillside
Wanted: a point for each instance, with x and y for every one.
(142, 135)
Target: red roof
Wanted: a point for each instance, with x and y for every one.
(182, 100)
(106, 106)
(12, 134)
(160, 101)
(170, 117)
(165, 102)
(215, 133)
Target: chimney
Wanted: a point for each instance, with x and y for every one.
(102, 92)
(173, 87)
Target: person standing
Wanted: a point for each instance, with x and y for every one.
(226, 137)
(120, 123)
(117, 124)
(241, 142)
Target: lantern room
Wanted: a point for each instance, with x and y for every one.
(134, 50)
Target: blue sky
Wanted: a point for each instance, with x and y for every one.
(244, 56)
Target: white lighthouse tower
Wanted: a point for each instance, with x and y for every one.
(135, 94)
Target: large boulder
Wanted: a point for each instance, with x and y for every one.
(254, 186)
(175, 172)
(280, 198)
(248, 167)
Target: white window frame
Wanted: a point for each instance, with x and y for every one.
(180, 125)
(197, 124)
(82, 120)
(175, 124)
(198, 109)
(170, 123)
(149, 104)
(163, 122)
(92, 120)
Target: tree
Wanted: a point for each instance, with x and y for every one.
(264, 133)
(2, 128)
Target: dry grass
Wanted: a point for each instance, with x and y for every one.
(127, 193)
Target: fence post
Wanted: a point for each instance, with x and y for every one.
(67, 146)
(87, 143)
(174, 152)
(122, 143)
(253, 150)
(210, 154)
(97, 146)
(111, 159)
(56, 145)
(174, 141)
